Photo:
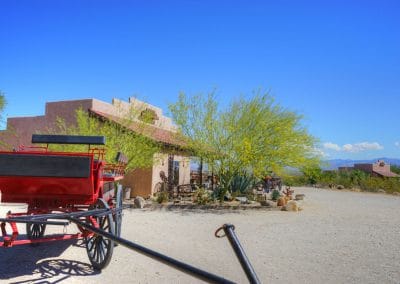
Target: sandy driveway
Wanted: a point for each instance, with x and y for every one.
(340, 237)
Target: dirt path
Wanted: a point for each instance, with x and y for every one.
(339, 237)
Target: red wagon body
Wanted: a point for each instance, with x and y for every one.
(50, 179)
(58, 185)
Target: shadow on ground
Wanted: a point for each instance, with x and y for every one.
(33, 262)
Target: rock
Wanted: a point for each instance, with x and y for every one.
(127, 193)
(139, 202)
(299, 196)
(281, 201)
(339, 186)
(381, 190)
(396, 193)
(292, 205)
(273, 204)
(227, 196)
(288, 198)
(264, 203)
(242, 199)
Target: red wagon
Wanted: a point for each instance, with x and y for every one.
(63, 185)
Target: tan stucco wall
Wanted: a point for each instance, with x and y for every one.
(132, 109)
(160, 164)
(184, 169)
(20, 129)
(139, 180)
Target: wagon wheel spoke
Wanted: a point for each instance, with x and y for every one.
(90, 245)
(99, 249)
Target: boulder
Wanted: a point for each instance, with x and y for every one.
(273, 204)
(299, 196)
(264, 203)
(339, 186)
(139, 202)
(242, 199)
(381, 190)
(127, 193)
(292, 205)
(227, 196)
(281, 201)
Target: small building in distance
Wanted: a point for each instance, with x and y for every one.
(377, 169)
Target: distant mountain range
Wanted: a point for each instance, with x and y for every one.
(335, 163)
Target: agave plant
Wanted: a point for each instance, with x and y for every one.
(242, 183)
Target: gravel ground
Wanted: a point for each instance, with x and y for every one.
(339, 237)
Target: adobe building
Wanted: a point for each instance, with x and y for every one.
(172, 160)
(377, 169)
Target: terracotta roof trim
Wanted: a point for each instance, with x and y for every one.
(386, 174)
(155, 133)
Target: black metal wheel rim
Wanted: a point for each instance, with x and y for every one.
(100, 249)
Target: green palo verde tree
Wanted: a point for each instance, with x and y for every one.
(135, 145)
(2, 103)
(254, 135)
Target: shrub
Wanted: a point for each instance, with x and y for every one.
(275, 194)
(241, 183)
(349, 179)
(219, 193)
(201, 196)
(162, 197)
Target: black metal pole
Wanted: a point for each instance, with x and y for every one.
(244, 261)
(94, 212)
(12, 220)
(186, 268)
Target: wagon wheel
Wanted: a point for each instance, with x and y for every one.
(100, 249)
(35, 231)
(118, 215)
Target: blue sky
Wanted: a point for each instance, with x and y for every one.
(335, 62)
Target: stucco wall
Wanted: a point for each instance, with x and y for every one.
(20, 129)
(184, 169)
(139, 180)
(381, 167)
(160, 164)
(364, 167)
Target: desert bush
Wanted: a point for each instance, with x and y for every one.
(293, 179)
(312, 174)
(275, 194)
(349, 179)
(201, 196)
(373, 184)
(162, 197)
(242, 183)
(219, 194)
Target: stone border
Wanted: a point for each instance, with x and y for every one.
(204, 207)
